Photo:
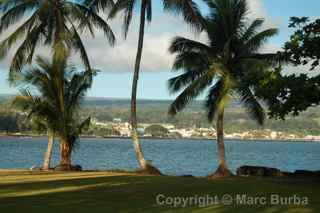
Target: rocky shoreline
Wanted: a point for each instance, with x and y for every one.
(259, 171)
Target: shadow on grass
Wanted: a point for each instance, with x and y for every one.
(138, 194)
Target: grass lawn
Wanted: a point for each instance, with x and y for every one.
(92, 192)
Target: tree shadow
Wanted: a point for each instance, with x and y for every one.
(129, 193)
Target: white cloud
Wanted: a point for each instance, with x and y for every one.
(155, 51)
(158, 35)
(157, 39)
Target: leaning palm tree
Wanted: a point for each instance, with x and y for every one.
(45, 81)
(56, 24)
(191, 14)
(27, 103)
(225, 67)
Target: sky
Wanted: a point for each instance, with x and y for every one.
(116, 64)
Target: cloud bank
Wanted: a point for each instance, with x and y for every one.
(159, 33)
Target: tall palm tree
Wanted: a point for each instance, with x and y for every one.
(45, 81)
(191, 14)
(53, 23)
(56, 24)
(226, 66)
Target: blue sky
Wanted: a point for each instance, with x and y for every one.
(116, 64)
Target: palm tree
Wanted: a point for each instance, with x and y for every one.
(45, 80)
(56, 24)
(53, 23)
(226, 66)
(191, 14)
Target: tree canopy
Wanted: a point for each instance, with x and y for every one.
(157, 130)
(293, 94)
(304, 45)
(40, 98)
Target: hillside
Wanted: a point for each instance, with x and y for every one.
(155, 111)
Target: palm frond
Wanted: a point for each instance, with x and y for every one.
(258, 40)
(192, 91)
(180, 44)
(228, 16)
(24, 54)
(275, 59)
(188, 9)
(252, 104)
(19, 33)
(84, 125)
(87, 17)
(252, 29)
(77, 88)
(13, 14)
(178, 83)
(99, 5)
(214, 99)
(127, 6)
(149, 10)
(190, 55)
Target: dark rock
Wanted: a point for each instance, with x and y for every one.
(76, 168)
(68, 168)
(258, 171)
(273, 172)
(306, 173)
(187, 176)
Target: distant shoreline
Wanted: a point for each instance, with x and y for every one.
(167, 138)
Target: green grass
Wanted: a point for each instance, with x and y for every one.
(92, 192)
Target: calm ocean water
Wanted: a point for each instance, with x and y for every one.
(173, 157)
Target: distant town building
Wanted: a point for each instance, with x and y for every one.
(117, 120)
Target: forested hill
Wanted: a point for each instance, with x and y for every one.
(125, 103)
(156, 111)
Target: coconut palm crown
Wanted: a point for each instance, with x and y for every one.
(56, 24)
(40, 98)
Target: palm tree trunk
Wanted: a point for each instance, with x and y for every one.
(220, 139)
(59, 52)
(47, 157)
(222, 170)
(134, 123)
(65, 154)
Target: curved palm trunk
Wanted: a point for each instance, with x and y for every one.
(222, 170)
(134, 124)
(65, 153)
(47, 157)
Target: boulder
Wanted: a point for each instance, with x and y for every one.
(76, 168)
(187, 176)
(306, 174)
(72, 168)
(273, 172)
(258, 171)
